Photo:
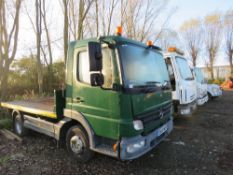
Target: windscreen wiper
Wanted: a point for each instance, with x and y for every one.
(148, 88)
(153, 83)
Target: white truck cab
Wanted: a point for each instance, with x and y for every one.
(184, 93)
(201, 85)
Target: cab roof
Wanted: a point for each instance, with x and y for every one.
(111, 39)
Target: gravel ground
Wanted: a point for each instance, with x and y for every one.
(202, 144)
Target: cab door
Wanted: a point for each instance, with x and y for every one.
(97, 104)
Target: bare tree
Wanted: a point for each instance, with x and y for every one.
(139, 17)
(167, 38)
(113, 4)
(44, 17)
(8, 40)
(38, 7)
(97, 17)
(191, 32)
(84, 7)
(212, 28)
(228, 37)
(65, 28)
(106, 10)
(39, 25)
(73, 18)
(50, 65)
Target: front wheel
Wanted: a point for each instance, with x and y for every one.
(77, 144)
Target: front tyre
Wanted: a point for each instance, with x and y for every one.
(77, 144)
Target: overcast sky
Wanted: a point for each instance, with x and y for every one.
(185, 9)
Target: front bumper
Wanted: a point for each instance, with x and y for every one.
(203, 100)
(151, 140)
(187, 110)
(217, 93)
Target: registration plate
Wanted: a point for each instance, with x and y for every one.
(162, 130)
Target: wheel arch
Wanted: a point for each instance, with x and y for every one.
(14, 112)
(76, 118)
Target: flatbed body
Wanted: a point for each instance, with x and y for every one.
(41, 107)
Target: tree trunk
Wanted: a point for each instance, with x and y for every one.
(82, 15)
(38, 43)
(80, 19)
(50, 66)
(97, 17)
(65, 29)
(4, 81)
(231, 64)
(194, 58)
(8, 43)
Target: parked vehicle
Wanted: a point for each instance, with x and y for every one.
(183, 84)
(117, 100)
(201, 85)
(214, 91)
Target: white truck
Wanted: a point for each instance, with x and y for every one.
(184, 93)
(201, 85)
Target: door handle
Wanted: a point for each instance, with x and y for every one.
(78, 100)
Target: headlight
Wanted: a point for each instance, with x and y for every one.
(138, 125)
(215, 90)
(135, 146)
(185, 111)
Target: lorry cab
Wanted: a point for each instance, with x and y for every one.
(117, 100)
(183, 84)
(201, 85)
(126, 103)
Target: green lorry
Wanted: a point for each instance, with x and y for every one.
(117, 101)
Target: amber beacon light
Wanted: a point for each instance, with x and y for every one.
(172, 49)
(119, 30)
(149, 43)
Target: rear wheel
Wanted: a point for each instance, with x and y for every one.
(18, 123)
(77, 144)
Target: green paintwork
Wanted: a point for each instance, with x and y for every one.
(143, 103)
(110, 113)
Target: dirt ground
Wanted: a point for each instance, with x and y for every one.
(202, 144)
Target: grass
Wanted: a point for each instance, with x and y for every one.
(5, 120)
(5, 123)
(4, 159)
(3, 113)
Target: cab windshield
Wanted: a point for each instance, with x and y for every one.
(142, 66)
(199, 75)
(184, 68)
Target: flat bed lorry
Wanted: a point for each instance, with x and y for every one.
(114, 102)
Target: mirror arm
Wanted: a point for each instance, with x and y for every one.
(110, 45)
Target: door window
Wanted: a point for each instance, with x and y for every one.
(83, 68)
(83, 73)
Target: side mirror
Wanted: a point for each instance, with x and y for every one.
(97, 79)
(95, 56)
